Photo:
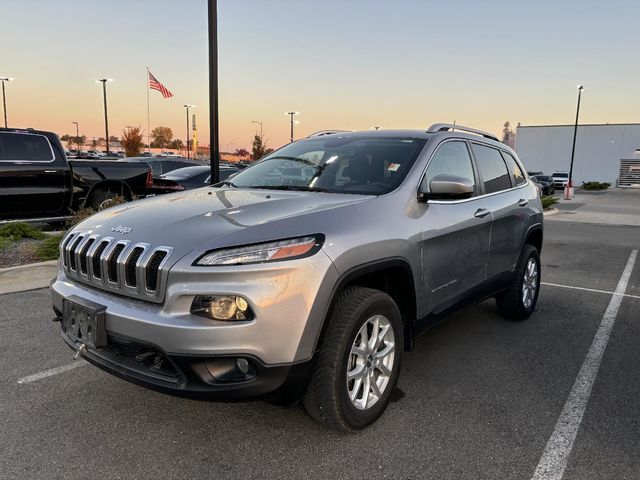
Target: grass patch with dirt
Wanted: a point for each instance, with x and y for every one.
(48, 248)
(21, 243)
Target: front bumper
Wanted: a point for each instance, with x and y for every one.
(288, 299)
(199, 377)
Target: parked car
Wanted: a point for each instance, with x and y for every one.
(560, 179)
(534, 173)
(38, 181)
(146, 154)
(192, 177)
(169, 154)
(308, 274)
(162, 165)
(547, 184)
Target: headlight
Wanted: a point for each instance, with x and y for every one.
(264, 252)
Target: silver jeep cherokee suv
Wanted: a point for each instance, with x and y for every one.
(307, 274)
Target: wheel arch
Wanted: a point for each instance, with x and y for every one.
(534, 236)
(393, 276)
(117, 186)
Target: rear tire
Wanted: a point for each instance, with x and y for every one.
(519, 301)
(363, 341)
(101, 199)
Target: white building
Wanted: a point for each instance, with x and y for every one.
(604, 152)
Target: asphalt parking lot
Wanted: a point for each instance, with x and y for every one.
(480, 397)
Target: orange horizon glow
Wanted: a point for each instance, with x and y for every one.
(375, 66)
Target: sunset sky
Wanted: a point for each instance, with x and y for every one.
(347, 64)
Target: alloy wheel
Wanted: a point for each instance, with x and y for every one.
(529, 283)
(371, 362)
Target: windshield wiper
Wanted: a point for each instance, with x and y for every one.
(296, 188)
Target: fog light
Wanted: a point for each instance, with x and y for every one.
(222, 307)
(242, 365)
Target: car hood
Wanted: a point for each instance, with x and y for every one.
(198, 219)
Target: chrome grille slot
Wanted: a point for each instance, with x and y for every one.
(97, 271)
(112, 263)
(65, 246)
(152, 269)
(137, 270)
(130, 266)
(83, 255)
(72, 252)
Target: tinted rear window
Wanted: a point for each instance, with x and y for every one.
(24, 147)
(492, 167)
(516, 172)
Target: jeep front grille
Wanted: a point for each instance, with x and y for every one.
(120, 266)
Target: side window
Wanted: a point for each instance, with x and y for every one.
(516, 171)
(492, 168)
(451, 158)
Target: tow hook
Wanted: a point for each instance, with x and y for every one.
(81, 349)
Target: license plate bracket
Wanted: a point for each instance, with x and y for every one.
(84, 321)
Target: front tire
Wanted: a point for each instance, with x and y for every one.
(359, 360)
(519, 301)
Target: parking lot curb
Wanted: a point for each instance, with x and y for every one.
(27, 277)
(551, 211)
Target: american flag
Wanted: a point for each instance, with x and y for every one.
(154, 84)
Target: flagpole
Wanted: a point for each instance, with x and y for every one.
(148, 121)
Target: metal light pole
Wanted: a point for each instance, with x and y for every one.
(188, 106)
(4, 98)
(573, 147)
(214, 138)
(77, 134)
(106, 115)
(291, 115)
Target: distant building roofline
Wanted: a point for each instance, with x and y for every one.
(579, 124)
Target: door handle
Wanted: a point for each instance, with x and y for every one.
(481, 213)
(51, 171)
(523, 202)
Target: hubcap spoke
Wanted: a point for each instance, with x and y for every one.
(383, 369)
(357, 373)
(390, 348)
(356, 388)
(359, 352)
(374, 387)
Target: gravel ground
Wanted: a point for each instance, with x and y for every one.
(19, 253)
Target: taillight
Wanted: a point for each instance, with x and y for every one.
(149, 181)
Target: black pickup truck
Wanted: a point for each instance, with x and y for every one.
(37, 181)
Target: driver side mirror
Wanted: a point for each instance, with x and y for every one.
(446, 187)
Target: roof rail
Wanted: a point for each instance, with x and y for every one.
(322, 133)
(443, 127)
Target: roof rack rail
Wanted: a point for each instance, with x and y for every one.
(322, 133)
(443, 127)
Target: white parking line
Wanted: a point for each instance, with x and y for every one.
(556, 454)
(588, 289)
(51, 372)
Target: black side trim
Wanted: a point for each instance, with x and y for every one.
(476, 295)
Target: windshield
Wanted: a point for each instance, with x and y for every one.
(561, 175)
(360, 165)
